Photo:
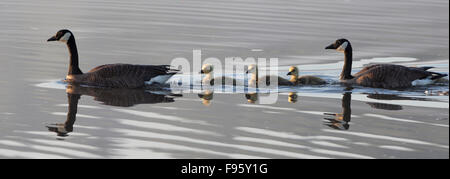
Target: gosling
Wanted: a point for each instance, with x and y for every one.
(305, 79)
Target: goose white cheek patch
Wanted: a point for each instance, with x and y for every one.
(342, 47)
(65, 37)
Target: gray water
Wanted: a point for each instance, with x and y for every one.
(156, 124)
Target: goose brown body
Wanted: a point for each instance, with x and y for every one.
(111, 75)
(388, 76)
(120, 75)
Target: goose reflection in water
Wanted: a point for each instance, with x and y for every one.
(112, 97)
(341, 121)
(389, 97)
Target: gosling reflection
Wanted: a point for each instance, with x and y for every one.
(251, 97)
(206, 97)
(112, 97)
(292, 97)
(341, 121)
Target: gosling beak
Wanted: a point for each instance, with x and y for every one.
(290, 73)
(202, 72)
(332, 46)
(246, 72)
(53, 38)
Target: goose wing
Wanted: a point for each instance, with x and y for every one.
(367, 68)
(390, 76)
(125, 75)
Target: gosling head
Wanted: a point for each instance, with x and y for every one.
(206, 69)
(63, 35)
(252, 69)
(341, 45)
(293, 70)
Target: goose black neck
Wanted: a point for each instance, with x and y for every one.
(74, 69)
(346, 71)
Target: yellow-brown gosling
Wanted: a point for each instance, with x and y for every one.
(208, 69)
(305, 79)
(255, 79)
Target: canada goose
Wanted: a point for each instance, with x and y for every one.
(305, 79)
(207, 69)
(111, 75)
(380, 75)
(255, 79)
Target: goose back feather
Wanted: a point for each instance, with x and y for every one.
(121, 75)
(391, 76)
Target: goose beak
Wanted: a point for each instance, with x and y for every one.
(246, 72)
(332, 46)
(53, 38)
(290, 73)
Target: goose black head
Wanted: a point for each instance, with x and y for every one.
(340, 45)
(62, 35)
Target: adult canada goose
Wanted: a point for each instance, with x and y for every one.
(305, 79)
(255, 79)
(111, 75)
(207, 69)
(380, 75)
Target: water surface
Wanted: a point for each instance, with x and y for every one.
(305, 122)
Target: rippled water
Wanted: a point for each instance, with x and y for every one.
(306, 122)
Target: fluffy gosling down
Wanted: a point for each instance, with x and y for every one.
(208, 69)
(255, 79)
(305, 79)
